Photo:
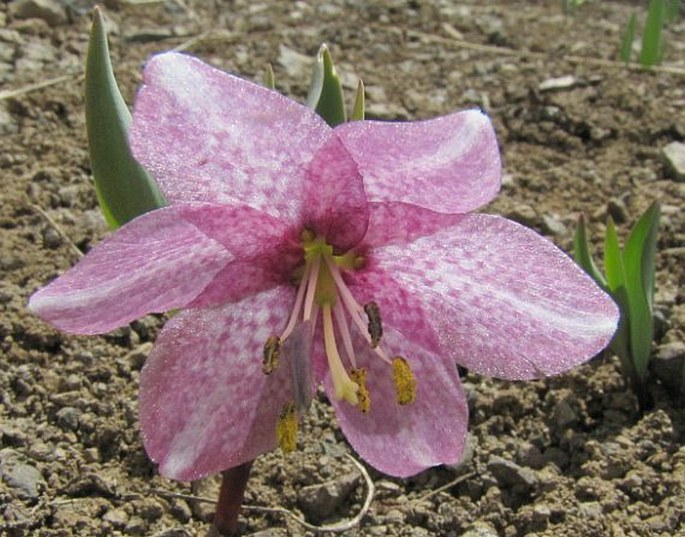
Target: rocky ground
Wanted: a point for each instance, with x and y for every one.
(571, 455)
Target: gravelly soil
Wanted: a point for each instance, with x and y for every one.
(571, 455)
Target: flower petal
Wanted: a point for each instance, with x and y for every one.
(397, 223)
(402, 440)
(335, 201)
(205, 404)
(450, 164)
(503, 300)
(208, 136)
(159, 261)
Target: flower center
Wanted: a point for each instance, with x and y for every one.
(322, 288)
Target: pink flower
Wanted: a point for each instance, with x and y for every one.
(301, 254)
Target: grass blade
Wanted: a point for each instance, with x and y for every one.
(651, 37)
(359, 108)
(582, 255)
(626, 49)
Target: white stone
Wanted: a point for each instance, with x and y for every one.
(674, 153)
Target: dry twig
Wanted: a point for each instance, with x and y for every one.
(335, 528)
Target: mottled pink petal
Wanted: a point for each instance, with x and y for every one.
(264, 251)
(402, 440)
(397, 223)
(156, 262)
(335, 203)
(449, 164)
(208, 136)
(503, 300)
(205, 404)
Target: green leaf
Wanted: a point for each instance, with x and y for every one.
(124, 189)
(626, 49)
(638, 261)
(582, 255)
(652, 48)
(640, 251)
(359, 108)
(325, 92)
(613, 258)
(269, 78)
(671, 11)
(620, 344)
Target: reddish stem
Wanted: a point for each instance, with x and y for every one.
(233, 483)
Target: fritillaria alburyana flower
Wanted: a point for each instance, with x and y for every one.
(300, 254)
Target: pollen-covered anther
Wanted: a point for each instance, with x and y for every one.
(358, 376)
(405, 381)
(375, 326)
(272, 355)
(286, 428)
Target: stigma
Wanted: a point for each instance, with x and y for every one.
(322, 294)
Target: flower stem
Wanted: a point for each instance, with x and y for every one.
(231, 495)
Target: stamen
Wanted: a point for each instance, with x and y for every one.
(344, 332)
(405, 382)
(353, 308)
(375, 326)
(286, 428)
(272, 354)
(358, 376)
(342, 385)
(298, 303)
(311, 287)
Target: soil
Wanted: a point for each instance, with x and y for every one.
(570, 455)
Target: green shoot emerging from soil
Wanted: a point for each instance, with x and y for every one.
(659, 14)
(629, 279)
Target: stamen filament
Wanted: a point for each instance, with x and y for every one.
(344, 333)
(354, 309)
(311, 287)
(298, 303)
(342, 384)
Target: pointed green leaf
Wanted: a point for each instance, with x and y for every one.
(626, 49)
(620, 344)
(269, 78)
(582, 255)
(672, 11)
(640, 251)
(613, 258)
(638, 261)
(124, 189)
(359, 108)
(651, 36)
(325, 92)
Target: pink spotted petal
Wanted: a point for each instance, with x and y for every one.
(208, 136)
(157, 262)
(335, 203)
(205, 404)
(503, 300)
(264, 252)
(449, 165)
(404, 440)
(396, 223)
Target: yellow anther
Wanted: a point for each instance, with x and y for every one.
(375, 326)
(358, 376)
(405, 382)
(272, 355)
(286, 428)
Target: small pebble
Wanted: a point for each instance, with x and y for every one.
(674, 155)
